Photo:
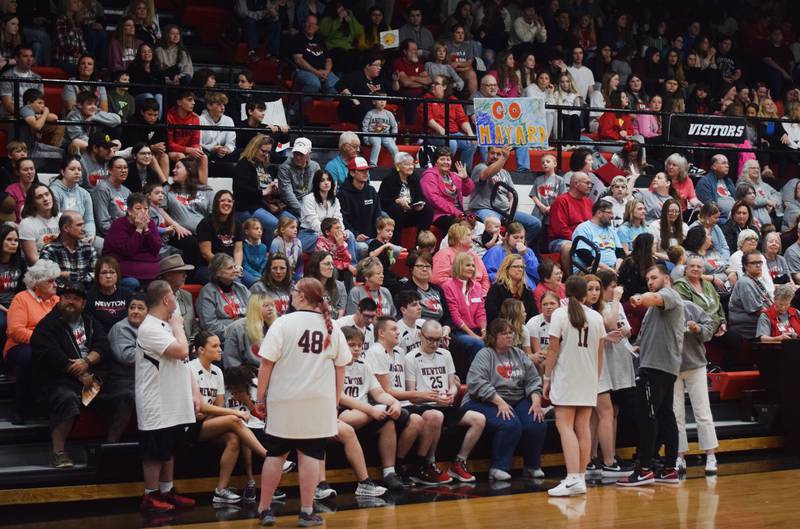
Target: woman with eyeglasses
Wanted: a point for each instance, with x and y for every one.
(321, 268)
(749, 297)
(222, 300)
(432, 300)
(504, 385)
(510, 284)
(513, 244)
(143, 169)
(748, 242)
(401, 197)
(276, 282)
(107, 300)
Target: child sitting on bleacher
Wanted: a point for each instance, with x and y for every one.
(426, 243)
(491, 232)
(381, 121)
(287, 243)
(42, 134)
(333, 240)
(255, 252)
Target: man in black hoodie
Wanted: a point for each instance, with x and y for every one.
(361, 207)
(144, 127)
(69, 349)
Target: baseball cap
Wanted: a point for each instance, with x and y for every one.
(358, 164)
(302, 145)
(73, 287)
(100, 139)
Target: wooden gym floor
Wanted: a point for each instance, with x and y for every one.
(750, 492)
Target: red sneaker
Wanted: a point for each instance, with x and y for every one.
(180, 502)
(668, 475)
(458, 471)
(153, 503)
(439, 474)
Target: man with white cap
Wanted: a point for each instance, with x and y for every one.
(360, 204)
(295, 175)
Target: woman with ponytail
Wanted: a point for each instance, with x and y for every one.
(572, 369)
(300, 379)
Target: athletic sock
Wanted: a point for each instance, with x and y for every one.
(307, 510)
(387, 471)
(150, 491)
(165, 486)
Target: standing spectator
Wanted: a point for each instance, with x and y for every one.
(86, 72)
(23, 55)
(145, 70)
(402, 199)
(110, 195)
(295, 176)
(314, 64)
(349, 147)
(546, 187)
(458, 124)
(445, 189)
(381, 121)
(412, 74)
(69, 195)
(717, 187)
(582, 76)
(107, 299)
(366, 81)
(39, 225)
(69, 42)
(464, 297)
(122, 49)
(361, 206)
(133, 240)
(414, 30)
(164, 400)
(567, 212)
(173, 57)
(75, 257)
(223, 299)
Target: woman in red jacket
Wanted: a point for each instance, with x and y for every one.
(457, 124)
(616, 125)
(466, 303)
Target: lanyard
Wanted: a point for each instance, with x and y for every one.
(378, 302)
(231, 307)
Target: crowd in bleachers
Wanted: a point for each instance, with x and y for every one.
(425, 262)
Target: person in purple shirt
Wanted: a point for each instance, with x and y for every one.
(134, 241)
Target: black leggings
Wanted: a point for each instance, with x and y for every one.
(656, 417)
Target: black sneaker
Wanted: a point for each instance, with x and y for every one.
(309, 520)
(267, 518)
(278, 495)
(615, 471)
(422, 475)
(638, 478)
(594, 467)
(393, 482)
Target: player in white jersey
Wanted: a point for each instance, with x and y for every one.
(572, 370)
(430, 368)
(300, 379)
(409, 307)
(388, 363)
(539, 329)
(215, 422)
(362, 319)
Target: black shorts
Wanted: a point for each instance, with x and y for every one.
(373, 427)
(164, 443)
(279, 446)
(452, 414)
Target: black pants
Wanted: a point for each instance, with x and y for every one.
(421, 219)
(655, 415)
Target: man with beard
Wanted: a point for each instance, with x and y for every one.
(69, 350)
(599, 230)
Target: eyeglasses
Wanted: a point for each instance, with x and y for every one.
(294, 289)
(432, 340)
(517, 266)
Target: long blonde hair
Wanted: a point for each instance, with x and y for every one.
(253, 146)
(515, 288)
(254, 321)
(514, 311)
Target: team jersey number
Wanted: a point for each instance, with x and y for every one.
(311, 342)
(436, 382)
(583, 337)
(352, 391)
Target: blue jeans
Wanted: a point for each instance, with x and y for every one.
(249, 278)
(310, 83)
(469, 345)
(375, 143)
(96, 44)
(40, 42)
(254, 31)
(268, 222)
(308, 238)
(523, 157)
(506, 434)
(466, 147)
(533, 226)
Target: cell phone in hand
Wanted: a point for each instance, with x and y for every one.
(418, 205)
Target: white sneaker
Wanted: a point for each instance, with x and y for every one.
(288, 466)
(226, 496)
(369, 488)
(324, 491)
(711, 465)
(568, 488)
(680, 464)
(495, 474)
(532, 473)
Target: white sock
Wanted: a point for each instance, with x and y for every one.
(387, 471)
(431, 459)
(165, 486)
(150, 491)
(711, 457)
(307, 510)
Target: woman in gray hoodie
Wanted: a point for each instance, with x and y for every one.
(223, 300)
(70, 196)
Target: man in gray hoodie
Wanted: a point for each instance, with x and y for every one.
(295, 175)
(86, 110)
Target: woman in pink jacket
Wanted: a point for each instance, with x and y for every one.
(649, 126)
(459, 240)
(445, 190)
(465, 300)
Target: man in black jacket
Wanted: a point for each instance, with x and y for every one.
(361, 207)
(69, 348)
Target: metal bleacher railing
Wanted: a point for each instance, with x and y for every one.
(294, 100)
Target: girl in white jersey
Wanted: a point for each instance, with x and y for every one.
(572, 369)
(303, 359)
(539, 329)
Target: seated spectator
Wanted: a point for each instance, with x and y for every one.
(510, 400)
(633, 270)
(717, 187)
(253, 116)
(276, 282)
(39, 225)
(747, 242)
(86, 72)
(12, 268)
(25, 312)
(506, 75)
(465, 297)
(741, 218)
(184, 142)
(69, 195)
(43, 136)
(255, 190)
(120, 101)
(458, 124)
(143, 169)
(445, 189)
(698, 242)
(145, 70)
(243, 337)
(402, 199)
(218, 145)
(25, 176)
(146, 20)
(287, 243)
(617, 126)
(513, 243)
(15, 151)
(486, 176)
(749, 297)
(649, 126)
(707, 217)
(583, 160)
(375, 25)
(109, 294)
(220, 232)
(381, 121)
(633, 224)
(669, 230)
(659, 191)
(69, 350)
(122, 49)
(70, 252)
(109, 196)
(322, 268)
(203, 81)
(145, 129)
(777, 264)
(567, 212)
(566, 94)
(599, 230)
(223, 299)
(412, 74)
(361, 206)
(86, 110)
(94, 160)
(254, 252)
(349, 147)
(334, 239)
(439, 66)
(432, 301)
(766, 198)
(188, 199)
(258, 21)
(510, 283)
(366, 81)
(122, 340)
(371, 269)
(414, 30)
(341, 31)
(173, 57)
(174, 271)
(317, 206)
(295, 176)
(70, 45)
(173, 235)
(600, 98)
(780, 321)
(314, 63)
(134, 241)
(23, 55)
(550, 274)
(459, 240)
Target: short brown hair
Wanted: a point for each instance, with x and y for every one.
(216, 98)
